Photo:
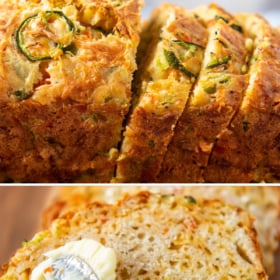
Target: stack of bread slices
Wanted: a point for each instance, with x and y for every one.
(224, 125)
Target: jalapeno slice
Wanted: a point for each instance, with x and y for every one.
(215, 62)
(188, 45)
(174, 62)
(45, 35)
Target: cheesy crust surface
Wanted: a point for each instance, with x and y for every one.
(65, 87)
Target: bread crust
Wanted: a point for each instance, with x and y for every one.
(161, 91)
(68, 124)
(66, 114)
(215, 98)
(244, 150)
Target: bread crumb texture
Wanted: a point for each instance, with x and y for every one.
(156, 237)
(262, 202)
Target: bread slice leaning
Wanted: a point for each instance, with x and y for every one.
(270, 162)
(216, 96)
(157, 237)
(65, 87)
(170, 57)
(247, 150)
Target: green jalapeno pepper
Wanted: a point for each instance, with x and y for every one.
(45, 35)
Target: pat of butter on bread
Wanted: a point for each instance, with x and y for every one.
(101, 259)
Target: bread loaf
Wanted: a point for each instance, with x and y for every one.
(156, 237)
(204, 108)
(229, 129)
(65, 87)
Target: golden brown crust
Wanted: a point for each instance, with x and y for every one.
(3, 269)
(163, 92)
(243, 151)
(52, 149)
(146, 155)
(69, 126)
(61, 119)
(271, 164)
(214, 100)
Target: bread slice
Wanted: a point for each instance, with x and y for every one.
(244, 151)
(65, 80)
(216, 97)
(169, 65)
(270, 162)
(156, 237)
(262, 202)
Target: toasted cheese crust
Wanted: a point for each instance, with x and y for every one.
(65, 73)
(157, 237)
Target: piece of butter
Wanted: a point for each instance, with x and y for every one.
(100, 259)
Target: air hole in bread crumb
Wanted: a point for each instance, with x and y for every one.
(151, 239)
(142, 272)
(124, 274)
(141, 235)
(216, 267)
(243, 254)
(207, 251)
(173, 263)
